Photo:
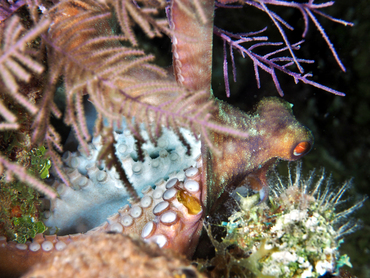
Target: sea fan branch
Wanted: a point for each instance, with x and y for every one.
(13, 56)
(307, 10)
(136, 88)
(268, 63)
(7, 9)
(17, 66)
(128, 11)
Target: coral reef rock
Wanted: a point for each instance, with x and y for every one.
(113, 255)
(297, 234)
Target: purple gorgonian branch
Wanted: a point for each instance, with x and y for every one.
(307, 10)
(266, 62)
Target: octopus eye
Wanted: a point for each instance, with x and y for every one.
(302, 148)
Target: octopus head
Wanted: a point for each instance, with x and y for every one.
(274, 133)
(283, 136)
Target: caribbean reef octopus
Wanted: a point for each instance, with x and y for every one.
(172, 213)
(173, 206)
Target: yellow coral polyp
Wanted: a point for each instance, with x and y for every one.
(192, 204)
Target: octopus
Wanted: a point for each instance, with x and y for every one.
(173, 206)
(172, 213)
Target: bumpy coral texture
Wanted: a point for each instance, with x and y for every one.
(296, 234)
(114, 255)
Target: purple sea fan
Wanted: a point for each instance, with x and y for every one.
(277, 61)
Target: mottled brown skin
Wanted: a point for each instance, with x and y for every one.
(274, 133)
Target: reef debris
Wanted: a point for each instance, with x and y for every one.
(297, 234)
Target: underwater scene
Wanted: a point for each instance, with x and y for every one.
(184, 138)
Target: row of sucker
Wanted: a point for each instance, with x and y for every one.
(40, 243)
(167, 215)
(97, 192)
(179, 215)
(131, 218)
(161, 216)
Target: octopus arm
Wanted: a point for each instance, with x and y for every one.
(171, 215)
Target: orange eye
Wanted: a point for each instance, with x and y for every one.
(301, 148)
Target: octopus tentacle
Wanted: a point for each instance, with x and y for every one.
(179, 217)
(170, 215)
(15, 258)
(114, 255)
(192, 57)
(97, 192)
